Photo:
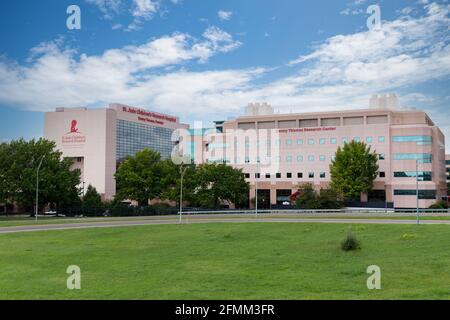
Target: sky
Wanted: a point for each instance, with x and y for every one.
(207, 59)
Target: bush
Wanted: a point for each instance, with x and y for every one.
(350, 242)
(330, 199)
(307, 198)
(327, 198)
(439, 205)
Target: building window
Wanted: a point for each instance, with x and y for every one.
(357, 139)
(420, 140)
(333, 158)
(299, 141)
(381, 156)
(278, 175)
(333, 141)
(289, 159)
(420, 157)
(310, 141)
(322, 175)
(311, 158)
(381, 139)
(289, 175)
(299, 158)
(247, 176)
(322, 158)
(288, 142)
(423, 175)
(344, 140)
(369, 139)
(322, 141)
(79, 159)
(423, 194)
(300, 175)
(257, 175)
(267, 175)
(311, 175)
(382, 174)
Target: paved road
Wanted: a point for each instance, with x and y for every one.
(204, 219)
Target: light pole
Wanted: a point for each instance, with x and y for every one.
(256, 188)
(37, 187)
(182, 172)
(417, 189)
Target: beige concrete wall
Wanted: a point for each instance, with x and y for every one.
(94, 141)
(376, 123)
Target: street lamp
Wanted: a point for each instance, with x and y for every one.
(256, 188)
(37, 187)
(417, 189)
(182, 173)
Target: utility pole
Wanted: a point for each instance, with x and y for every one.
(417, 189)
(37, 188)
(182, 172)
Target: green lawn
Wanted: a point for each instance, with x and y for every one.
(25, 221)
(227, 261)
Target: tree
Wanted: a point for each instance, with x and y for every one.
(354, 169)
(142, 177)
(217, 183)
(92, 202)
(307, 198)
(18, 164)
(330, 199)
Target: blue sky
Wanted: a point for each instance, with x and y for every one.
(206, 59)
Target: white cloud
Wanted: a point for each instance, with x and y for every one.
(57, 76)
(340, 73)
(225, 15)
(107, 7)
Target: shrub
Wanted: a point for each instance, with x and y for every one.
(307, 198)
(350, 242)
(439, 205)
(327, 198)
(330, 199)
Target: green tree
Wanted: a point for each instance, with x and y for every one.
(18, 164)
(354, 169)
(307, 198)
(142, 177)
(330, 199)
(217, 183)
(92, 202)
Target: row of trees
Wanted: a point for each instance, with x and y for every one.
(146, 176)
(19, 161)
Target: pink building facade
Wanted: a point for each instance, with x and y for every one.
(99, 139)
(279, 153)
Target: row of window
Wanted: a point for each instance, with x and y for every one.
(420, 157)
(423, 175)
(300, 158)
(420, 140)
(289, 175)
(423, 194)
(133, 137)
(311, 141)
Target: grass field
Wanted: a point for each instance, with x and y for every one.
(25, 221)
(227, 261)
